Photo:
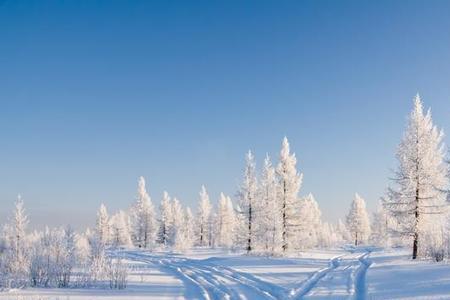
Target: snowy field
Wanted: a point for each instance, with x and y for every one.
(213, 274)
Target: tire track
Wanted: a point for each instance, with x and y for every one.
(360, 278)
(311, 282)
(213, 282)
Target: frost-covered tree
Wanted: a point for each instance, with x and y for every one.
(177, 238)
(358, 222)
(328, 236)
(120, 230)
(343, 235)
(310, 222)
(165, 221)
(269, 215)
(225, 222)
(417, 200)
(248, 201)
(380, 227)
(53, 257)
(204, 218)
(289, 181)
(102, 227)
(69, 256)
(189, 228)
(143, 218)
(82, 247)
(15, 259)
(98, 261)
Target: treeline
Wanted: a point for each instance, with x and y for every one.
(267, 217)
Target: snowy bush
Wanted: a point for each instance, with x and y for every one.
(98, 264)
(53, 258)
(117, 273)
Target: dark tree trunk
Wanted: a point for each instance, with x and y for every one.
(284, 218)
(416, 228)
(249, 241)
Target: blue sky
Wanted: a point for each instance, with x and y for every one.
(94, 94)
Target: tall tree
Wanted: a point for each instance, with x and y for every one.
(189, 228)
(289, 182)
(103, 229)
(143, 218)
(225, 222)
(270, 210)
(358, 221)
(165, 221)
(18, 260)
(310, 222)
(342, 232)
(248, 200)
(177, 239)
(417, 198)
(380, 227)
(204, 217)
(120, 230)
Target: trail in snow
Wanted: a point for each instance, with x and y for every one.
(194, 290)
(309, 283)
(343, 277)
(360, 280)
(210, 281)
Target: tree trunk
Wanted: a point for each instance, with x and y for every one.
(284, 218)
(416, 212)
(249, 241)
(416, 227)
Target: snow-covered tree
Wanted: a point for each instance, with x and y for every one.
(380, 227)
(98, 261)
(165, 221)
(343, 235)
(269, 214)
(204, 218)
(82, 246)
(53, 257)
(103, 228)
(328, 236)
(177, 238)
(120, 230)
(417, 200)
(189, 228)
(225, 222)
(15, 261)
(69, 260)
(248, 201)
(143, 218)
(310, 222)
(358, 222)
(289, 182)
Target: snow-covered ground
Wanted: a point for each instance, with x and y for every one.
(214, 274)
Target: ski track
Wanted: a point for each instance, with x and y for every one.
(360, 278)
(354, 264)
(212, 281)
(307, 285)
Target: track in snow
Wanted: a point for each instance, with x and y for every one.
(309, 283)
(344, 277)
(208, 281)
(360, 279)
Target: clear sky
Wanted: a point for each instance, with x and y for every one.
(94, 94)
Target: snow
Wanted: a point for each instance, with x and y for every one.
(352, 273)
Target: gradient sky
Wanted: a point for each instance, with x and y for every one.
(94, 94)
